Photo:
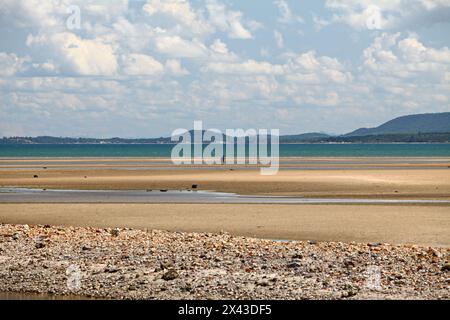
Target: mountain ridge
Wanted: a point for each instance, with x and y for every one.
(426, 127)
(409, 124)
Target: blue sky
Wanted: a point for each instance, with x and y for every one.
(145, 68)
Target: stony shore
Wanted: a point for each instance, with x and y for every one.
(136, 264)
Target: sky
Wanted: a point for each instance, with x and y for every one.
(143, 68)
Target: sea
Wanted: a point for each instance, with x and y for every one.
(285, 150)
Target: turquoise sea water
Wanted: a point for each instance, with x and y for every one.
(164, 150)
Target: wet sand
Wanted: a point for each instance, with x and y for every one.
(32, 195)
(286, 163)
(399, 224)
(330, 183)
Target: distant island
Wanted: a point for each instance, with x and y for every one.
(417, 128)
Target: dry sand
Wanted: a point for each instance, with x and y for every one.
(399, 224)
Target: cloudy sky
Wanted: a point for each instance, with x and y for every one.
(142, 68)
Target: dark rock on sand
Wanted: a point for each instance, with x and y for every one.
(39, 245)
(294, 264)
(171, 274)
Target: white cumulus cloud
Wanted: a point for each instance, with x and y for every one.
(77, 56)
(141, 64)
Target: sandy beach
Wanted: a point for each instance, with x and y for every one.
(420, 178)
(398, 224)
(426, 224)
(403, 237)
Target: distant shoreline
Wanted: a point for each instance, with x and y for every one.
(281, 143)
(126, 150)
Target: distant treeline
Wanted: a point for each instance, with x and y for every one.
(390, 138)
(304, 138)
(63, 140)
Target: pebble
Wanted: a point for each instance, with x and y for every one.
(375, 244)
(39, 245)
(294, 264)
(446, 267)
(135, 264)
(263, 283)
(171, 274)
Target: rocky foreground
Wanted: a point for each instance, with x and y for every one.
(135, 264)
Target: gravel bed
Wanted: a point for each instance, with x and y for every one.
(137, 264)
